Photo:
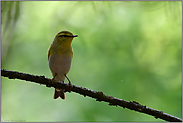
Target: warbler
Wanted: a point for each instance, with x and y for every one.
(60, 55)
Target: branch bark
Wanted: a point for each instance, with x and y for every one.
(98, 95)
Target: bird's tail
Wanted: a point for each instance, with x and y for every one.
(59, 93)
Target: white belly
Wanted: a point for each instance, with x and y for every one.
(60, 65)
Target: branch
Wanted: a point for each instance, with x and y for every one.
(98, 95)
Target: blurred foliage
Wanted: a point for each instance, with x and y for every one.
(129, 50)
(10, 11)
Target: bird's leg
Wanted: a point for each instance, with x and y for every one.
(53, 79)
(68, 80)
(70, 85)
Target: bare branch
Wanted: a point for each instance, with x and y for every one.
(98, 95)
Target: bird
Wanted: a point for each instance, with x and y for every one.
(60, 54)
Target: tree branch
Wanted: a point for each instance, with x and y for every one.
(98, 95)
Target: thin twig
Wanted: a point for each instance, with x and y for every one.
(98, 95)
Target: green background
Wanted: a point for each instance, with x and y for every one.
(129, 50)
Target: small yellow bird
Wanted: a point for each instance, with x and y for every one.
(60, 57)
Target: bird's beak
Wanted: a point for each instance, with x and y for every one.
(74, 35)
